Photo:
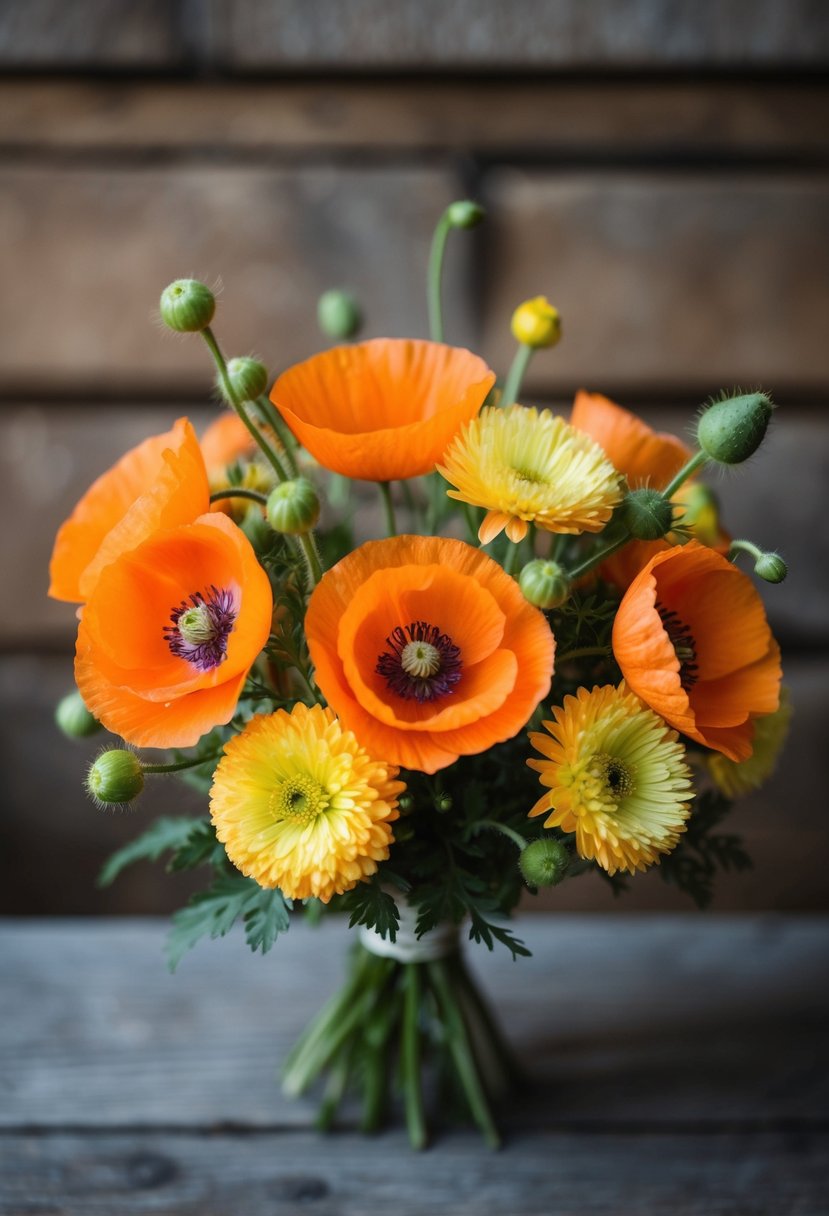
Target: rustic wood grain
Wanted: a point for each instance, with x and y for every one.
(89, 33)
(542, 34)
(621, 1174)
(627, 1023)
(506, 119)
(47, 815)
(663, 278)
(106, 241)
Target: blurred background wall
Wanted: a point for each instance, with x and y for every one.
(658, 168)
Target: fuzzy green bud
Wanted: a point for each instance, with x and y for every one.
(293, 507)
(544, 863)
(115, 777)
(406, 803)
(248, 379)
(74, 719)
(187, 306)
(339, 316)
(771, 567)
(731, 430)
(536, 323)
(465, 214)
(646, 514)
(544, 584)
(443, 803)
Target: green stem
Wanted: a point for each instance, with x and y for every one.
(471, 523)
(516, 373)
(582, 652)
(388, 506)
(312, 557)
(511, 1070)
(311, 1052)
(180, 765)
(510, 833)
(462, 1055)
(410, 1057)
(227, 388)
(696, 461)
(598, 557)
(334, 1090)
(435, 275)
(253, 495)
(271, 415)
(744, 546)
(511, 560)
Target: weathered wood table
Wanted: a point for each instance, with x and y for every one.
(681, 1066)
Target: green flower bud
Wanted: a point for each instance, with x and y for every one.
(443, 803)
(465, 214)
(646, 514)
(732, 429)
(293, 507)
(536, 323)
(115, 777)
(187, 306)
(74, 719)
(248, 379)
(544, 583)
(544, 863)
(771, 567)
(339, 316)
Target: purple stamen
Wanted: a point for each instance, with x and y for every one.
(427, 687)
(201, 627)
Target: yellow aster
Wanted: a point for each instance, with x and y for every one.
(737, 779)
(616, 776)
(526, 466)
(299, 805)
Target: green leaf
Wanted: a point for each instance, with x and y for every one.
(373, 907)
(213, 913)
(200, 847)
(161, 836)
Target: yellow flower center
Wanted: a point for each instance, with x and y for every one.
(420, 659)
(301, 798)
(601, 782)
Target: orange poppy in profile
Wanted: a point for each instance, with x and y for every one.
(159, 484)
(644, 456)
(382, 410)
(170, 632)
(693, 642)
(427, 650)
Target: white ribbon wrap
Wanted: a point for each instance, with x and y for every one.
(407, 947)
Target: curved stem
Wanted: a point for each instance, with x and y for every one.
(312, 557)
(238, 492)
(597, 558)
(388, 505)
(271, 415)
(227, 388)
(744, 546)
(516, 373)
(696, 461)
(435, 275)
(495, 826)
(180, 765)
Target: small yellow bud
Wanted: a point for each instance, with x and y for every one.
(536, 323)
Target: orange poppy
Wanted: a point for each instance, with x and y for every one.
(693, 642)
(170, 632)
(427, 650)
(644, 456)
(159, 484)
(384, 409)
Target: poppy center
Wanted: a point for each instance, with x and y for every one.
(421, 663)
(201, 626)
(685, 649)
(300, 799)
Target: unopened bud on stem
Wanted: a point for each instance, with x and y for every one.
(115, 777)
(187, 306)
(732, 429)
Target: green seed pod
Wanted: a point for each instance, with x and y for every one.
(293, 507)
(465, 214)
(731, 430)
(187, 306)
(248, 379)
(544, 584)
(74, 719)
(646, 514)
(339, 316)
(771, 567)
(544, 863)
(115, 777)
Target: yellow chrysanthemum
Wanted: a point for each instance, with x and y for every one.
(617, 777)
(738, 779)
(524, 466)
(299, 805)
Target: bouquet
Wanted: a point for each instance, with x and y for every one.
(550, 663)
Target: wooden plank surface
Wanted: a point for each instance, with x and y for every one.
(508, 119)
(625, 1022)
(538, 1173)
(89, 33)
